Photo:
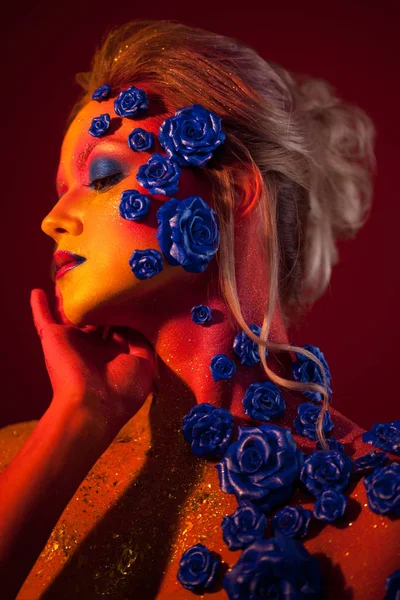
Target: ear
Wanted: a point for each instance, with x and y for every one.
(248, 191)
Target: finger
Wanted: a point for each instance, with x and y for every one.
(41, 313)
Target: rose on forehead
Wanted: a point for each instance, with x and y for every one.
(188, 233)
(191, 135)
(102, 93)
(140, 140)
(100, 125)
(279, 568)
(261, 466)
(131, 102)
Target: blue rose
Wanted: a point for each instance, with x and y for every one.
(188, 233)
(263, 401)
(198, 568)
(160, 175)
(244, 526)
(330, 506)
(102, 93)
(326, 469)
(140, 140)
(131, 102)
(333, 444)
(191, 135)
(369, 462)
(392, 586)
(246, 349)
(100, 125)
(222, 367)
(306, 370)
(305, 422)
(279, 568)
(385, 436)
(146, 263)
(201, 314)
(261, 466)
(208, 429)
(133, 205)
(292, 521)
(383, 490)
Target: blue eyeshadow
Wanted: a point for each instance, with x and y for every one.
(103, 167)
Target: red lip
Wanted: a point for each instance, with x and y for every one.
(65, 261)
(60, 272)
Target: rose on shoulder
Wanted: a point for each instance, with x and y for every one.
(208, 429)
(383, 490)
(326, 469)
(279, 567)
(244, 526)
(261, 466)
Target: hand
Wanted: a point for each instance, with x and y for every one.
(112, 377)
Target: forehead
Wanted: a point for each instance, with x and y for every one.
(78, 143)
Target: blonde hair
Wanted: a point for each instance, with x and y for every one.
(312, 152)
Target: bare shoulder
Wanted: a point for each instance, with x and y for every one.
(362, 550)
(12, 438)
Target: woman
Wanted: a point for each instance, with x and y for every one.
(201, 190)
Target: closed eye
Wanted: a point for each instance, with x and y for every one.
(104, 183)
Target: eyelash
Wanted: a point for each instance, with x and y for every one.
(105, 182)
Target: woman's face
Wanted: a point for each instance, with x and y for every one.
(86, 220)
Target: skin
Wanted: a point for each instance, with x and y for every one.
(103, 291)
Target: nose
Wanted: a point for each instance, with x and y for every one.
(62, 219)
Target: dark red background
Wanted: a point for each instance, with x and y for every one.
(352, 44)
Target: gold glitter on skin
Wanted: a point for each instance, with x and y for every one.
(148, 499)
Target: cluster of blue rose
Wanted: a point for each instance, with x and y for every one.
(262, 468)
(188, 231)
(264, 465)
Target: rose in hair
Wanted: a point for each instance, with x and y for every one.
(263, 401)
(133, 205)
(100, 125)
(279, 567)
(131, 102)
(208, 429)
(330, 506)
(246, 349)
(198, 568)
(261, 466)
(305, 422)
(140, 140)
(191, 135)
(383, 490)
(146, 263)
(326, 469)
(102, 93)
(188, 233)
(306, 370)
(244, 526)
